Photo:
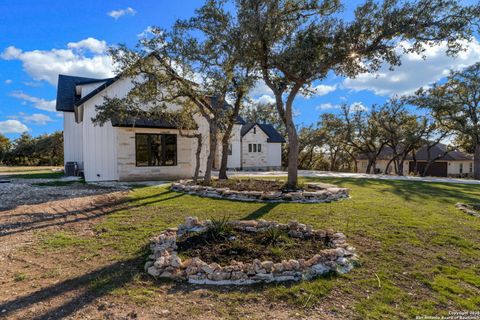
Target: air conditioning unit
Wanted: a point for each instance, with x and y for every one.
(71, 169)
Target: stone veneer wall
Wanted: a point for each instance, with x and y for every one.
(127, 168)
(254, 159)
(323, 193)
(165, 263)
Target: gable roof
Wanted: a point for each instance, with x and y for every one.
(422, 154)
(439, 150)
(215, 103)
(66, 91)
(273, 135)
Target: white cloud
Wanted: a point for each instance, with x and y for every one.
(260, 89)
(37, 119)
(265, 99)
(358, 106)
(32, 84)
(8, 81)
(320, 90)
(115, 14)
(415, 72)
(327, 106)
(11, 53)
(91, 44)
(83, 58)
(12, 126)
(148, 31)
(39, 103)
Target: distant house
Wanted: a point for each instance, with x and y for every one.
(447, 164)
(144, 149)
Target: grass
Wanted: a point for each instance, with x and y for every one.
(38, 175)
(419, 255)
(30, 172)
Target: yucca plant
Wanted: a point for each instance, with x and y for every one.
(220, 228)
(273, 236)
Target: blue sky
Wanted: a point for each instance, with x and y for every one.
(40, 39)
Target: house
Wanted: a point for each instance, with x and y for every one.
(447, 163)
(144, 149)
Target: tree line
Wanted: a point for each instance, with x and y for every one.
(448, 110)
(227, 46)
(46, 149)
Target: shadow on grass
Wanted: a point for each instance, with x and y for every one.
(414, 190)
(40, 220)
(84, 289)
(260, 212)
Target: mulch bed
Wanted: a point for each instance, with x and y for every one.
(245, 247)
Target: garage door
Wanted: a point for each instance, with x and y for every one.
(436, 169)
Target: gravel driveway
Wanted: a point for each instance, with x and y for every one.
(329, 174)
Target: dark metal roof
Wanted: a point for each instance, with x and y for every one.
(422, 154)
(143, 123)
(273, 135)
(214, 102)
(439, 150)
(105, 85)
(66, 92)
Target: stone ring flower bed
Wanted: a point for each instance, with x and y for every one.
(313, 193)
(164, 262)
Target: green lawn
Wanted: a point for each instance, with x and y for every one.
(419, 255)
(30, 172)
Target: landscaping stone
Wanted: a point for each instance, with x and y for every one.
(322, 192)
(471, 209)
(165, 263)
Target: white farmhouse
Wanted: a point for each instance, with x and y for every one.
(144, 149)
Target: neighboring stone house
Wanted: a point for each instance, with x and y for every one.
(145, 149)
(447, 164)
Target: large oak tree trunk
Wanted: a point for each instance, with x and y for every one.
(292, 180)
(400, 168)
(211, 154)
(197, 158)
(222, 175)
(369, 166)
(476, 162)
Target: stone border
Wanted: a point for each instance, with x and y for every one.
(165, 263)
(469, 209)
(323, 193)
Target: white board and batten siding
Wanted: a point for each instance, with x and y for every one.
(100, 142)
(274, 159)
(234, 160)
(73, 139)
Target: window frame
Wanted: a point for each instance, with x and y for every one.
(259, 148)
(164, 150)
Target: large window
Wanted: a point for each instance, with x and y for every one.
(155, 150)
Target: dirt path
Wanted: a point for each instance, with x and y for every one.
(26, 210)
